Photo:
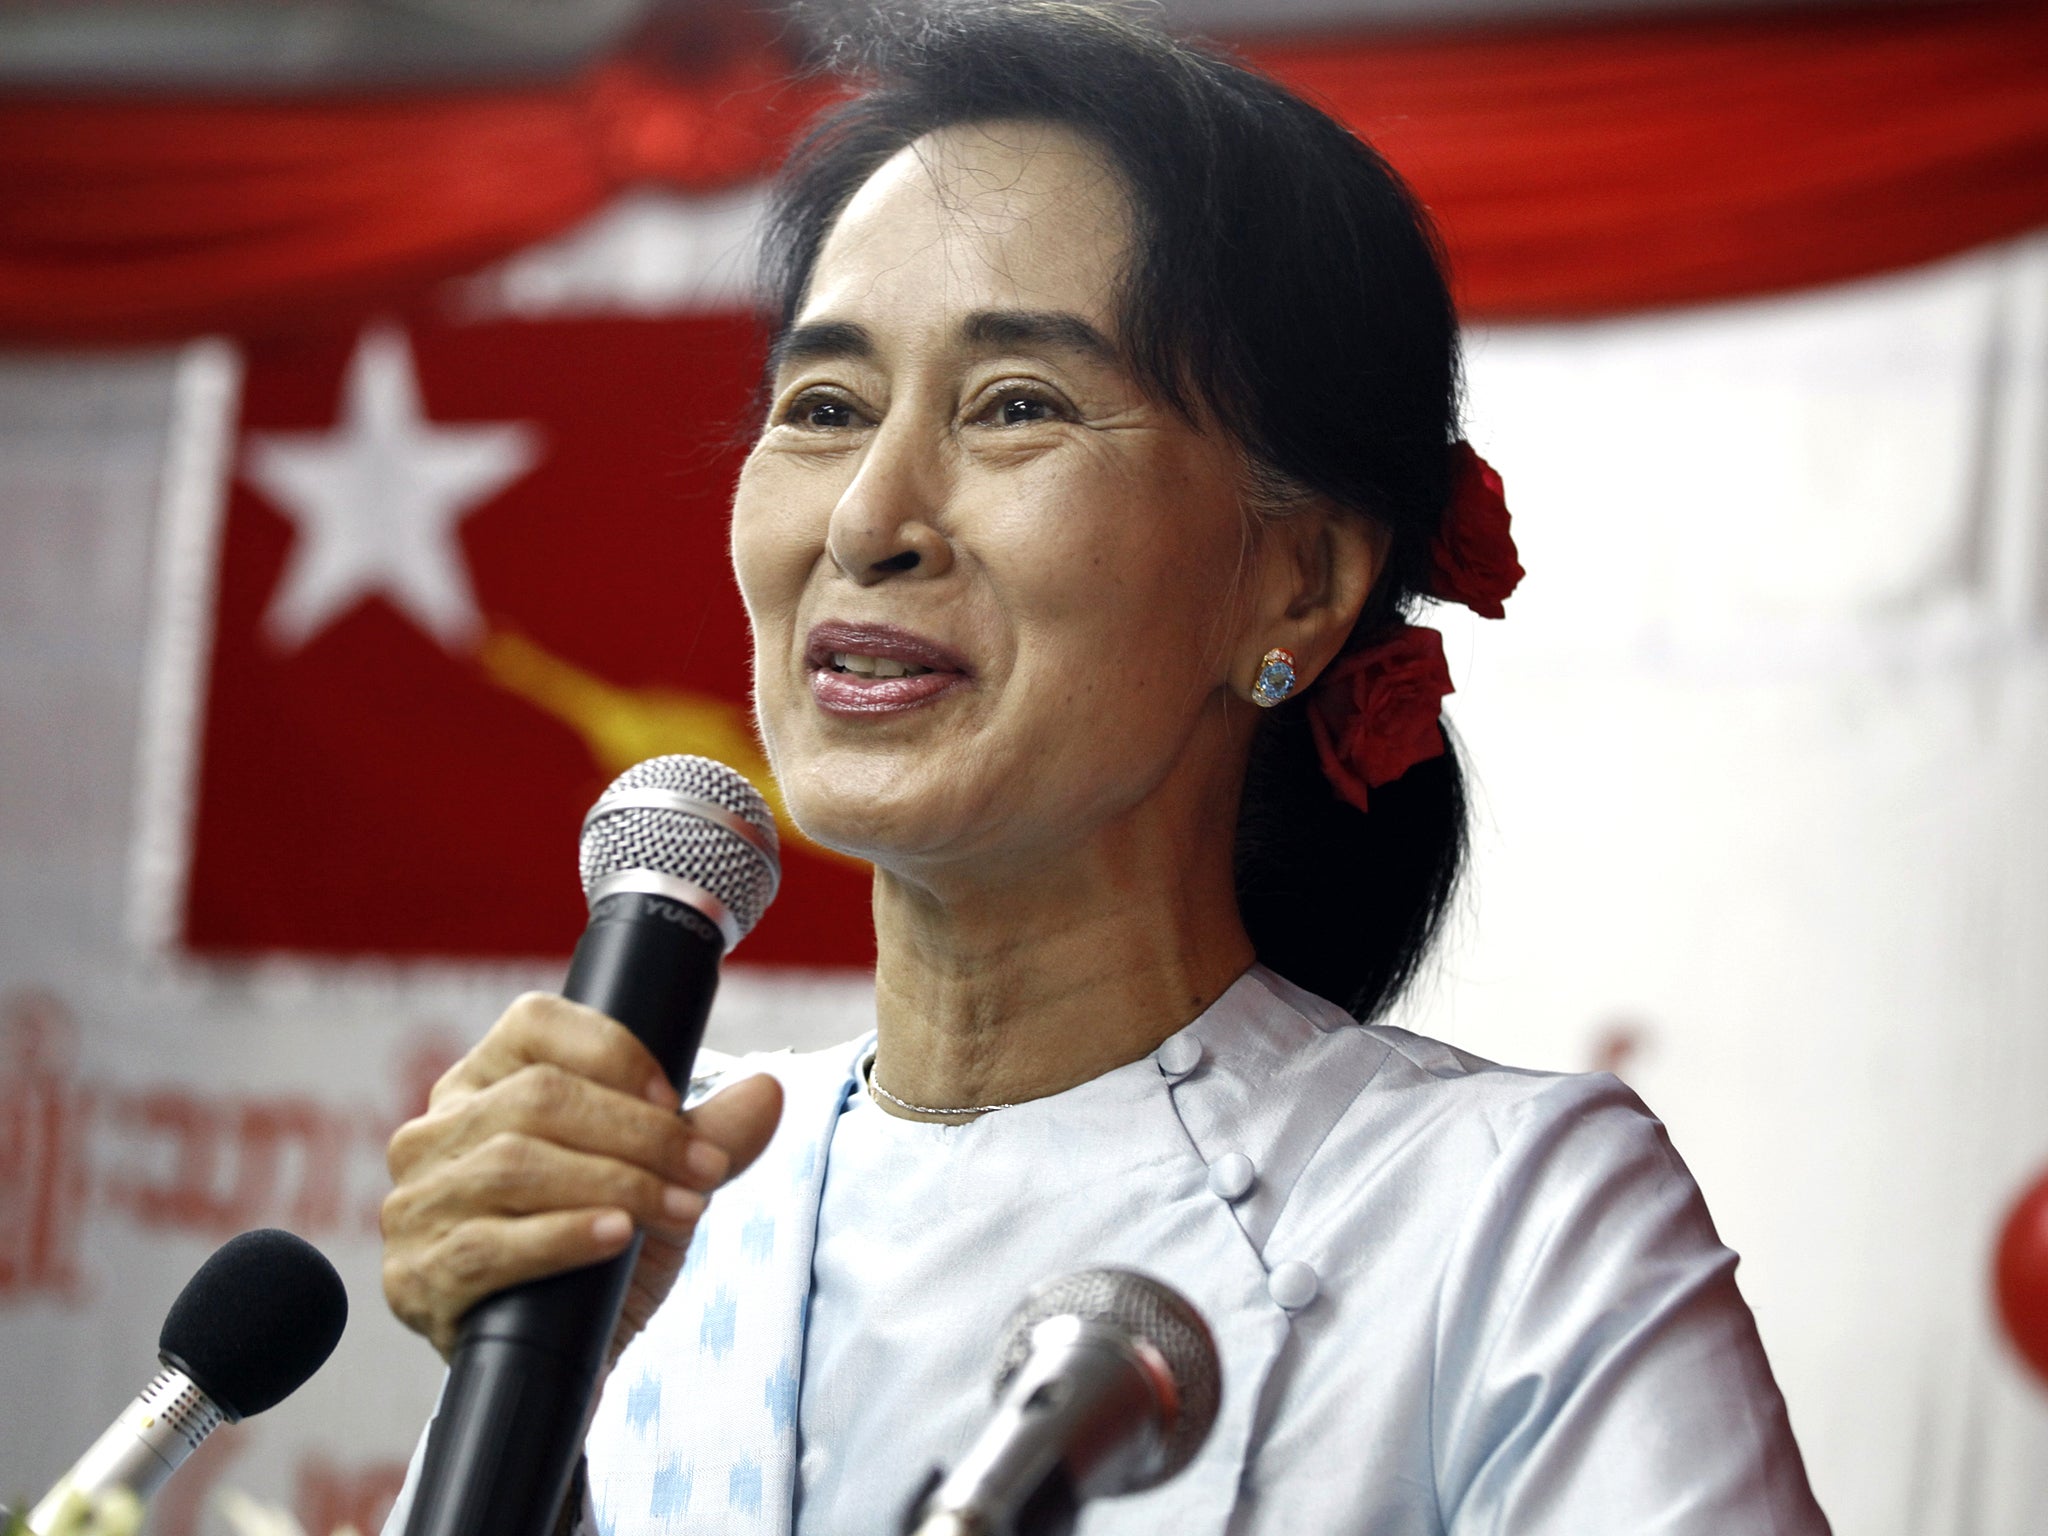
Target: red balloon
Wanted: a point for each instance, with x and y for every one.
(2022, 1276)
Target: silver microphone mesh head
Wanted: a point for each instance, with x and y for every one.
(1142, 1309)
(691, 819)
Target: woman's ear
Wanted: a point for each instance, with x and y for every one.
(1317, 566)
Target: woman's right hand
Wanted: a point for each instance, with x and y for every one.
(541, 1150)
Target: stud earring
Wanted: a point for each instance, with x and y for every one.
(1276, 677)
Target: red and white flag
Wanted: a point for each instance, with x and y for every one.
(469, 571)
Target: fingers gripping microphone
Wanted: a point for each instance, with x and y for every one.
(259, 1318)
(679, 861)
(1108, 1383)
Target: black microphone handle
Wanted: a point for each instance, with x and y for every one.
(503, 1448)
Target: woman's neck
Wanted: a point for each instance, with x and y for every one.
(993, 992)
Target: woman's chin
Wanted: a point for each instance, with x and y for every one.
(883, 824)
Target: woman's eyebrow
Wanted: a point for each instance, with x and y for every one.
(1024, 328)
(996, 329)
(818, 340)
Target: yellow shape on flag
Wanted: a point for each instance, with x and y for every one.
(623, 726)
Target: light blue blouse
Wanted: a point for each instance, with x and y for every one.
(1450, 1297)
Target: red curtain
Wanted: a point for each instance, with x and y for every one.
(1581, 170)
(1575, 170)
(138, 218)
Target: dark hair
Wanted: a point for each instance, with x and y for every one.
(1284, 280)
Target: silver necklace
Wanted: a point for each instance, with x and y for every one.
(867, 1078)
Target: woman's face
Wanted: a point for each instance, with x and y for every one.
(998, 593)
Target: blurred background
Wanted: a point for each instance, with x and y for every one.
(370, 378)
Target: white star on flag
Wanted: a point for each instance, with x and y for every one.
(376, 501)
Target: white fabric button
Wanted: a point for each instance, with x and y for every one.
(1179, 1055)
(1231, 1176)
(1292, 1285)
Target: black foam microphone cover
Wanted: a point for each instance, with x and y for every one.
(258, 1319)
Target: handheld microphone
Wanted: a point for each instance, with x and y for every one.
(1108, 1383)
(679, 860)
(259, 1318)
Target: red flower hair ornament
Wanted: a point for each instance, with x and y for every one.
(1374, 711)
(1473, 560)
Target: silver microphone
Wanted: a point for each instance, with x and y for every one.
(149, 1441)
(1108, 1383)
(257, 1319)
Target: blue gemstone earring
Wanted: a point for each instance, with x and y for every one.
(1276, 677)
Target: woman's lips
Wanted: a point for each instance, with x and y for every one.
(840, 659)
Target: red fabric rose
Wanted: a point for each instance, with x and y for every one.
(1374, 712)
(1473, 560)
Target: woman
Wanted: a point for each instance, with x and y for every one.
(1109, 443)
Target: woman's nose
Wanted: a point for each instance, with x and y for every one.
(887, 521)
